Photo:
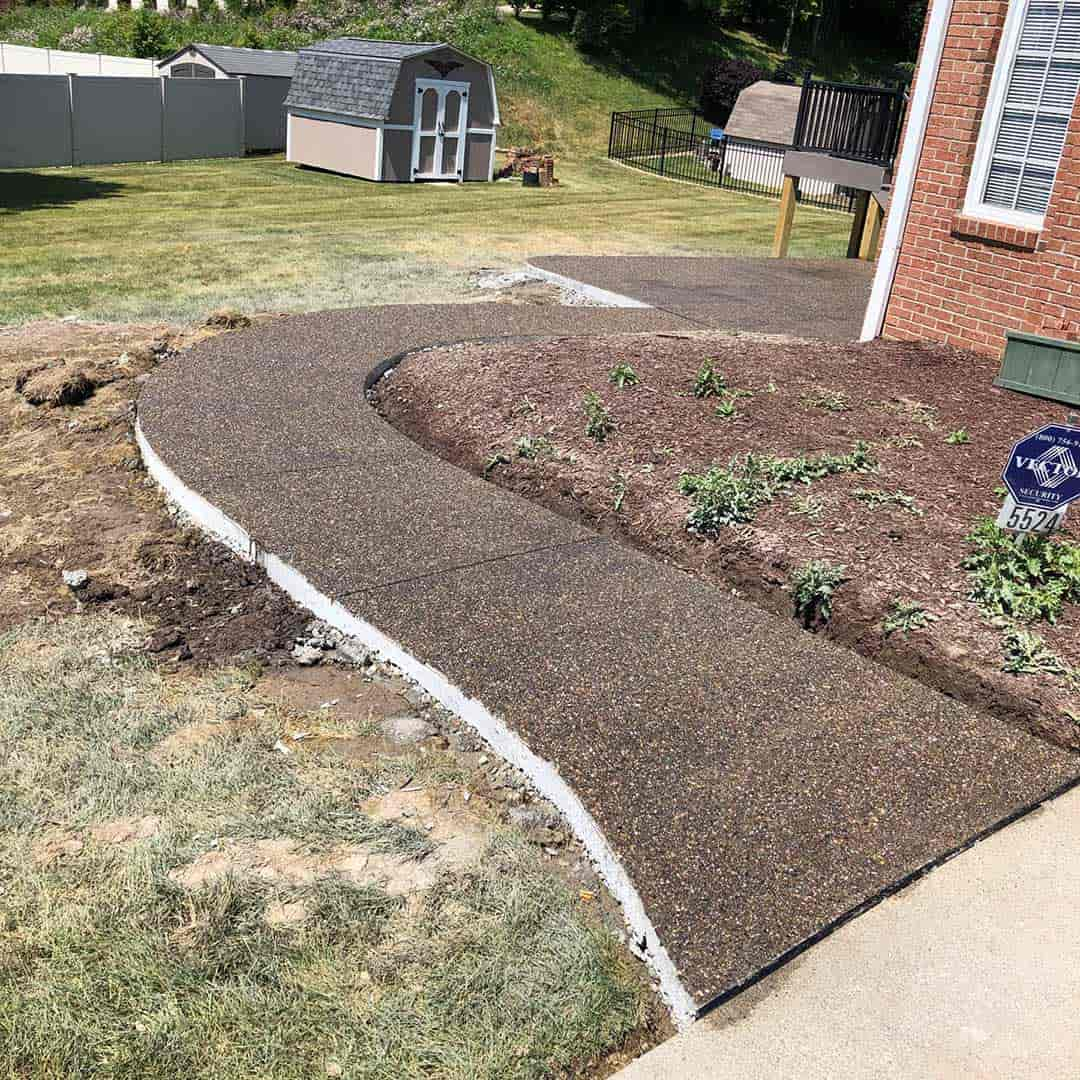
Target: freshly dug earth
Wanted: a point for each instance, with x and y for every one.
(475, 404)
(73, 496)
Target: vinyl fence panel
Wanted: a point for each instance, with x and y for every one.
(115, 119)
(26, 60)
(264, 112)
(36, 127)
(203, 118)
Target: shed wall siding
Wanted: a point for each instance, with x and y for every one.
(478, 157)
(343, 148)
(397, 155)
(966, 282)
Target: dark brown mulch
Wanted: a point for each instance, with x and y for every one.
(472, 404)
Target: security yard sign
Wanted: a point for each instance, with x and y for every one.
(1042, 478)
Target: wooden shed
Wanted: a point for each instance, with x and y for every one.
(264, 76)
(391, 110)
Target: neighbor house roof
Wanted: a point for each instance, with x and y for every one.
(353, 76)
(766, 111)
(237, 61)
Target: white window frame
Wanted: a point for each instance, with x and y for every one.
(988, 131)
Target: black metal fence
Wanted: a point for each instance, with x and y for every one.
(678, 143)
(862, 123)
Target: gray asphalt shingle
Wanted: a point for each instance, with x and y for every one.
(236, 61)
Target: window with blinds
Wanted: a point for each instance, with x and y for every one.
(1030, 108)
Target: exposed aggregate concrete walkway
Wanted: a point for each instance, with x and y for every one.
(756, 784)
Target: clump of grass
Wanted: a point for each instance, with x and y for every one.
(532, 446)
(813, 586)
(733, 495)
(822, 397)
(709, 382)
(904, 616)
(876, 498)
(598, 420)
(726, 409)
(1026, 576)
(959, 437)
(1026, 653)
(623, 376)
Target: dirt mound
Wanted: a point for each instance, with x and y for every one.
(55, 386)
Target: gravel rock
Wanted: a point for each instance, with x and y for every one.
(306, 655)
(407, 730)
(75, 579)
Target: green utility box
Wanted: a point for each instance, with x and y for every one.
(1043, 367)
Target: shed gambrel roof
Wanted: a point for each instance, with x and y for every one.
(353, 76)
(236, 61)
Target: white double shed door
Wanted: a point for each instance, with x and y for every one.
(440, 126)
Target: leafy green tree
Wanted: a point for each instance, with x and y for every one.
(149, 35)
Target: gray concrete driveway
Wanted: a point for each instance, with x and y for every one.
(823, 299)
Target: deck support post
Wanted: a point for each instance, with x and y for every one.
(872, 231)
(782, 239)
(858, 225)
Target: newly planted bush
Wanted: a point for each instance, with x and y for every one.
(532, 446)
(813, 586)
(623, 375)
(1026, 576)
(1026, 653)
(905, 616)
(959, 437)
(733, 495)
(726, 409)
(598, 422)
(875, 499)
(709, 382)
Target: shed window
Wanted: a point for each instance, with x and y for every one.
(191, 71)
(1027, 113)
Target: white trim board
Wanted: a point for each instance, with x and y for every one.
(542, 773)
(343, 118)
(937, 30)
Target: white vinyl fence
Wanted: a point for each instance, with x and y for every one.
(96, 120)
(24, 60)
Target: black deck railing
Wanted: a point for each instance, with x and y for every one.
(679, 144)
(862, 123)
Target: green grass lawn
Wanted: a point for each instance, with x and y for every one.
(173, 242)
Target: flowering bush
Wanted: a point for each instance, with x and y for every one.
(79, 39)
(20, 37)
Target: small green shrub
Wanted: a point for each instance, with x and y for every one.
(494, 462)
(598, 422)
(1025, 576)
(905, 616)
(733, 494)
(1026, 653)
(813, 586)
(875, 499)
(623, 375)
(532, 446)
(709, 382)
(726, 409)
(959, 437)
(829, 400)
(619, 488)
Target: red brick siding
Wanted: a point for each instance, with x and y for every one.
(964, 281)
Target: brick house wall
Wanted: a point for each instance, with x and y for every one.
(964, 281)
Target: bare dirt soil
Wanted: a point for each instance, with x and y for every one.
(73, 496)
(514, 413)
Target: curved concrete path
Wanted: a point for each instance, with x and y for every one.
(744, 786)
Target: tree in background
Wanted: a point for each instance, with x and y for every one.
(722, 84)
(149, 36)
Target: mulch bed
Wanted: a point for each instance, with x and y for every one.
(472, 404)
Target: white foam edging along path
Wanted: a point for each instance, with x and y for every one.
(542, 774)
(599, 296)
